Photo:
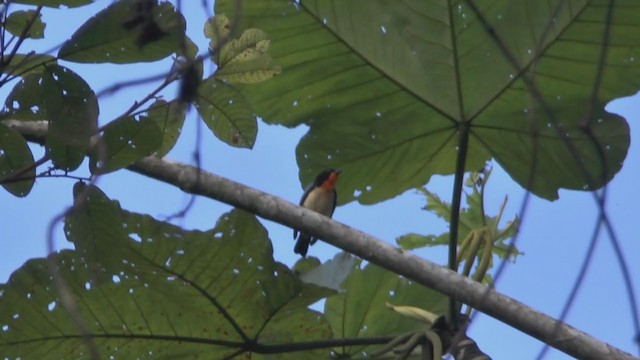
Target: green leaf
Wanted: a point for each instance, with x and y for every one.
(26, 64)
(125, 141)
(227, 113)
(366, 315)
(17, 22)
(413, 241)
(217, 28)
(26, 100)
(209, 294)
(72, 110)
(470, 220)
(382, 101)
(15, 156)
(242, 60)
(169, 117)
(127, 32)
(95, 227)
(54, 3)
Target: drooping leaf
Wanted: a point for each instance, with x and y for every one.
(361, 310)
(26, 64)
(17, 22)
(125, 141)
(227, 113)
(72, 110)
(54, 3)
(331, 274)
(127, 32)
(15, 156)
(385, 88)
(162, 290)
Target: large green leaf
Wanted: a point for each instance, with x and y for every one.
(15, 156)
(72, 110)
(158, 289)
(360, 310)
(386, 86)
(127, 32)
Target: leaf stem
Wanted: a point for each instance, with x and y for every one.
(463, 144)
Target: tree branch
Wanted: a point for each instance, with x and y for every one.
(516, 314)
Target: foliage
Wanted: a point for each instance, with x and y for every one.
(222, 293)
(393, 93)
(473, 217)
(386, 89)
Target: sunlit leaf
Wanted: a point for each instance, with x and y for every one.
(241, 60)
(217, 28)
(15, 156)
(414, 312)
(385, 88)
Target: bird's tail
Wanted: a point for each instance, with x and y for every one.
(302, 245)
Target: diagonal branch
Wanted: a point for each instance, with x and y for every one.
(516, 314)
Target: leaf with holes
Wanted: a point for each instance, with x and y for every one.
(72, 110)
(366, 315)
(123, 142)
(227, 113)
(26, 100)
(159, 290)
(387, 88)
(15, 156)
(127, 32)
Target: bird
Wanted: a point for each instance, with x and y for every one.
(320, 196)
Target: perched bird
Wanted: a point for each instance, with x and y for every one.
(320, 196)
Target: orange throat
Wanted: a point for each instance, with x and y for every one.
(330, 183)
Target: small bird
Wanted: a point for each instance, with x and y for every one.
(320, 196)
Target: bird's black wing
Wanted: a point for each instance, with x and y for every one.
(304, 197)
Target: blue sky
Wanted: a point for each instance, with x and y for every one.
(554, 236)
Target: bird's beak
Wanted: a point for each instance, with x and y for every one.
(338, 171)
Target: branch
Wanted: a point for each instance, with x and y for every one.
(516, 314)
